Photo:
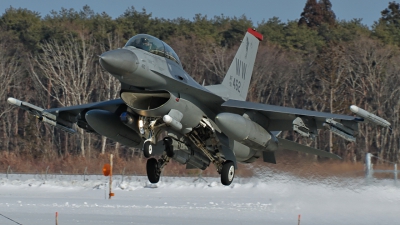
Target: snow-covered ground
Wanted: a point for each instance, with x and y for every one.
(266, 199)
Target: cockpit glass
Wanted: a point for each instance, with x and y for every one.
(170, 54)
(147, 43)
(153, 45)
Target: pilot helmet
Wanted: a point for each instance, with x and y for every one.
(144, 40)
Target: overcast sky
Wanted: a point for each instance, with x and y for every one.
(256, 10)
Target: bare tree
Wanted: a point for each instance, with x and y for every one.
(329, 74)
(10, 74)
(373, 75)
(68, 69)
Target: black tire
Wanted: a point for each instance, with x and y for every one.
(227, 173)
(147, 149)
(168, 147)
(153, 173)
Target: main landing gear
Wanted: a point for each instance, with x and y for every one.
(225, 168)
(153, 171)
(227, 173)
(154, 166)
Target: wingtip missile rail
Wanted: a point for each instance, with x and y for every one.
(370, 116)
(40, 114)
(32, 109)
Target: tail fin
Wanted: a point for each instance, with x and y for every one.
(237, 79)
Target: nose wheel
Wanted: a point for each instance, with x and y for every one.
(154, 166)
(227, 173)
(147, 149)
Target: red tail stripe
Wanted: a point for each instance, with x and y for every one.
(255, 34)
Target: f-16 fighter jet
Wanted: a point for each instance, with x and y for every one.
(168, 115)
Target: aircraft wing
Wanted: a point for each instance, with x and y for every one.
(304, 122)
(65, 117)
(281, 118)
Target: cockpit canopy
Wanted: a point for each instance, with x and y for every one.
(153, 45)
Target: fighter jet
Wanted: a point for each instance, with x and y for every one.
(168, 115)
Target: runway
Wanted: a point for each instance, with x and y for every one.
(275, 199)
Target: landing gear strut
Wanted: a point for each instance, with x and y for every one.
(225, 168)
(168, 147)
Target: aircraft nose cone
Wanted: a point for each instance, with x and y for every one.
(119, 62)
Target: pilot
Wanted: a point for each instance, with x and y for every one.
(145, 44)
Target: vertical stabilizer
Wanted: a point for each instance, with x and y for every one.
(237, 80)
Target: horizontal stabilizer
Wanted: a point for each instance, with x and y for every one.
(293, 146)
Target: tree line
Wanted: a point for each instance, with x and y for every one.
(316, 62)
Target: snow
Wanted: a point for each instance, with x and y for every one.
(269, 198)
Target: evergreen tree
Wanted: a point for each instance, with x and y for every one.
(391, 15)
(317, 13)
(312, 14)
(23, 24)
(134, 22)
(388, 27)
(329, 16)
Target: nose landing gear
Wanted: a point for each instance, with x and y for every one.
(147, 149)
(154, 166)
